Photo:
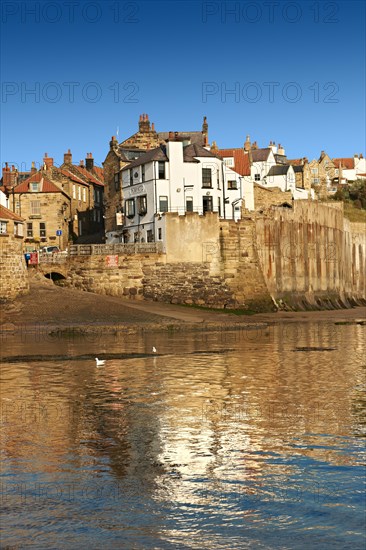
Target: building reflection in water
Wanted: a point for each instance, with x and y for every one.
(216, 418)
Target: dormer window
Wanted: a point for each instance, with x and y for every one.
(34, 187)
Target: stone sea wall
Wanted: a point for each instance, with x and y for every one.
(307, 256)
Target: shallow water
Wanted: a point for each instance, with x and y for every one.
(225, 440)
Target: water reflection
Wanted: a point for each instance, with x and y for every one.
(224, 440)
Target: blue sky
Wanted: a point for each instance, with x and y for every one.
(295, 70)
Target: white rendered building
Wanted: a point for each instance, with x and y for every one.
(179, 177)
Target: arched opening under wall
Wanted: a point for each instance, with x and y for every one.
(55, 277)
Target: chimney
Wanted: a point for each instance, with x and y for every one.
(68, 157)
(153, 126)
(361, 156)
(89, 162)
(214, 146)
(81, 164)
(6, 176)
(144, 123)
(10, 176)
(247, 144)
(113, 143)
(171, 135)
(280, 150)
(33, 168)
(48, 161)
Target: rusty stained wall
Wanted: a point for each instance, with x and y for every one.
(311, 255)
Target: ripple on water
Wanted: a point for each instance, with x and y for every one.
(253, 447)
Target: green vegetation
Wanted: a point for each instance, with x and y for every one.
(353, 193)
(354, 197)
(354, 214)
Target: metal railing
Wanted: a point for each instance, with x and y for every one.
(115, 249)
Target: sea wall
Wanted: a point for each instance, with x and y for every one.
(311, 256)
(307, 256)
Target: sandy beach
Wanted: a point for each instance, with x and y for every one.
(58, 308)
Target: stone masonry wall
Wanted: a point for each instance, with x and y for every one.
(311, 256)
(13, 270)
(307, 257)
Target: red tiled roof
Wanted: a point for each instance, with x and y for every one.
(347, 163)
(99, 172)
(47, 186)
(241, 160)
(88, 175)
(295, 162)
(71, 176)
(6, 214)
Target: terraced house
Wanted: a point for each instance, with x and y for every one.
(58, 204)
(127, 151)
(180, 177)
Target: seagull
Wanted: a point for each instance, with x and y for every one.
(154, 349)
(100, 363)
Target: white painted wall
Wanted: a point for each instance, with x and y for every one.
(4, 201)
(183, 179)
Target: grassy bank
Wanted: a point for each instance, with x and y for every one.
(354, 214)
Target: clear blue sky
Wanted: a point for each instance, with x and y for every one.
(297, 70)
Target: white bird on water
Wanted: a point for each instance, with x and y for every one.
(154, 349)
(99, 362)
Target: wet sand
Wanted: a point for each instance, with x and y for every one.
(61, 308)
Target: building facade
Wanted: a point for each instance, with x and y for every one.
(179, 177)
(130, 150)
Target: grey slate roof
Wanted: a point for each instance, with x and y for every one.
(196, 137)
(149, 156)
(279, 170)
(159, 153)
(260, 155)
(298, 168)
(195, 150)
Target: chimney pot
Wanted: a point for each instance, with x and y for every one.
(48, 161)
(68, 157)
(89, 161)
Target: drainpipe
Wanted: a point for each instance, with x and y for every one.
(223, 188)
(155, 200)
